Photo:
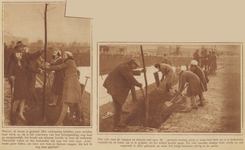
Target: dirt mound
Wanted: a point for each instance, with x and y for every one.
(159, 111)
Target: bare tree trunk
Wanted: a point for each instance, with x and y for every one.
(45, 57)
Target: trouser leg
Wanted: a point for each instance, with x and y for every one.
(79, 114)
(188, 105)
(15, 105)
(193, 102)
(117, 111)
(201, 99)
(55, 98)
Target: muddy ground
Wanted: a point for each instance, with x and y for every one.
(34, 113)
(221, 112)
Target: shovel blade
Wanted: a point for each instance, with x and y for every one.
(168, 104)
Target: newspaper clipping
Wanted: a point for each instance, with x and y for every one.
(121, 75)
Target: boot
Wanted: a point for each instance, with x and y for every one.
(188, 105)
(194, 104)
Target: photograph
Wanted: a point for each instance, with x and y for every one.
(170, 87)
(46, 66)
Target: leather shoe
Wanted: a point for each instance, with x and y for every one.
(22, 117)
(195, 107)
(58, 124)
(186, 110)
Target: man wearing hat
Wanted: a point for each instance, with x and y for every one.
(194, 88)
(57, 86)
(166, 60)
(213, 63)
(198, 71)
(20, 47)
(118, 84)
(167, 71)
(196, 56)
(27, 57)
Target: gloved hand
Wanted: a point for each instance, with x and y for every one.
(12, 78)
(140, 85)
(143, 70)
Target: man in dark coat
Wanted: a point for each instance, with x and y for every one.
(57, 86)
(198, 71)
(27, 57)
(17, 73)
(196, 56)
(194, 88)
(213, 63)
(118, 84)
(166, 60)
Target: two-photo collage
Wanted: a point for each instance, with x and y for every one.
(141, 87)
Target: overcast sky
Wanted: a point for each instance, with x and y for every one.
(26, 20)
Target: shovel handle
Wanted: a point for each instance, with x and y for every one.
(143, 93)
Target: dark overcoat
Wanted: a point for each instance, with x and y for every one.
(118, 83)
(196, 57)
(213, 62)
(57, 86)
(27, 57)
(198, 71)
(21, 90)
(195, 86)
(71, 85)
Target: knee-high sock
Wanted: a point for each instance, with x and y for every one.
(15, 105)
(188, 102)
(22, 104)
(193, 101)
(63, 113)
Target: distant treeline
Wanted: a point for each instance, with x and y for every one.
(109, 62)
(81, 54)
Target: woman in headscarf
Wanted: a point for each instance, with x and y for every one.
(17, 73)
(71, 87)
(57, 86)
(203, 78)
(194, 88)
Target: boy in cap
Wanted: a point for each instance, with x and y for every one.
(118, 84)
(167, 71)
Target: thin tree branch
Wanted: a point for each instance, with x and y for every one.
(40, 14)
(51, 8)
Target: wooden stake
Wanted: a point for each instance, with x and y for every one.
(45, 57)
(146, 88)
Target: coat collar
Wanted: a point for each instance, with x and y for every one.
(22, 67)
(56, 59)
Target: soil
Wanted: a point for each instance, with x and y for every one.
(221, 112)
(34, 113)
